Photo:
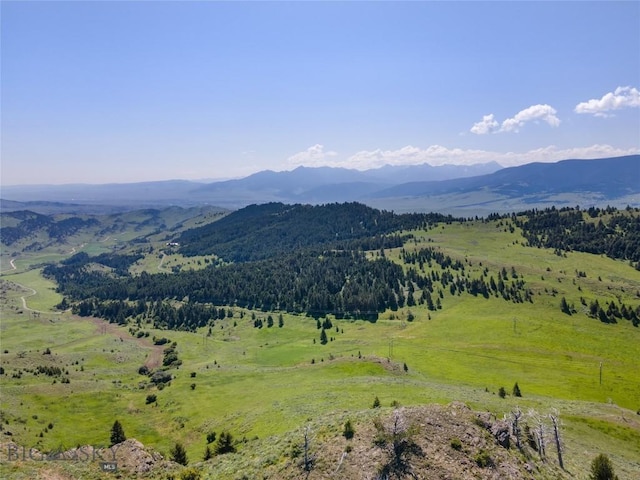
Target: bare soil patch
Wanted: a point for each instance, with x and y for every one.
(154, 358)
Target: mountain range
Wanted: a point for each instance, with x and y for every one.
(479, 189)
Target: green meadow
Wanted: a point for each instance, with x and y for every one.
(263, 383)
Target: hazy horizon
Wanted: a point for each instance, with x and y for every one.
(129, 92)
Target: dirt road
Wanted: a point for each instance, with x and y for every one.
(154, 358)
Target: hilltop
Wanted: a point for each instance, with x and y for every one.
(433, 441)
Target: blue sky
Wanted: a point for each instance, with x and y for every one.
(100, 92)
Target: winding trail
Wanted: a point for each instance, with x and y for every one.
(24, 300)
(154, 357)
(160, 267)
(13, 266)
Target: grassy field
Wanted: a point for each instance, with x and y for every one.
(260, 383)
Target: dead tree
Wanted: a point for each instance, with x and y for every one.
(556, 434)
(515, 428)
(539, 432)
(398, 441)
(541, 441)
(307, 464)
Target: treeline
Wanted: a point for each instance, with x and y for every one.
(609, 313)
(258, 232)
(344, 284)
(612, 232)
(162, 314)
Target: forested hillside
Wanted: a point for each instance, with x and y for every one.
(601, 231)
(313, 260)
(262, 231)
(27, 224)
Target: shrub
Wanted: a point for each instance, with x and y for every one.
(502, 392)
(151, 398)
(456, 444)
(143, 370)
(190, 474)
(211, 437)
(483, 459)
(296, 451)
(349, 431)
(161, 377)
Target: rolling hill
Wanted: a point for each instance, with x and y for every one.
(611, 178)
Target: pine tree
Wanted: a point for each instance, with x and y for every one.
(224, 444)
(602, 469)
(564, 306)
(179, 454)
(348, 430)
(516, 390)
(323, 337)
(376, 402)
(117, 433)
(207, 453)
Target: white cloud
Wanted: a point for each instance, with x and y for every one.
(409, 155)
(622, 97)
(314, 156)
(534, 113)
(438, 155)
(487, 125)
